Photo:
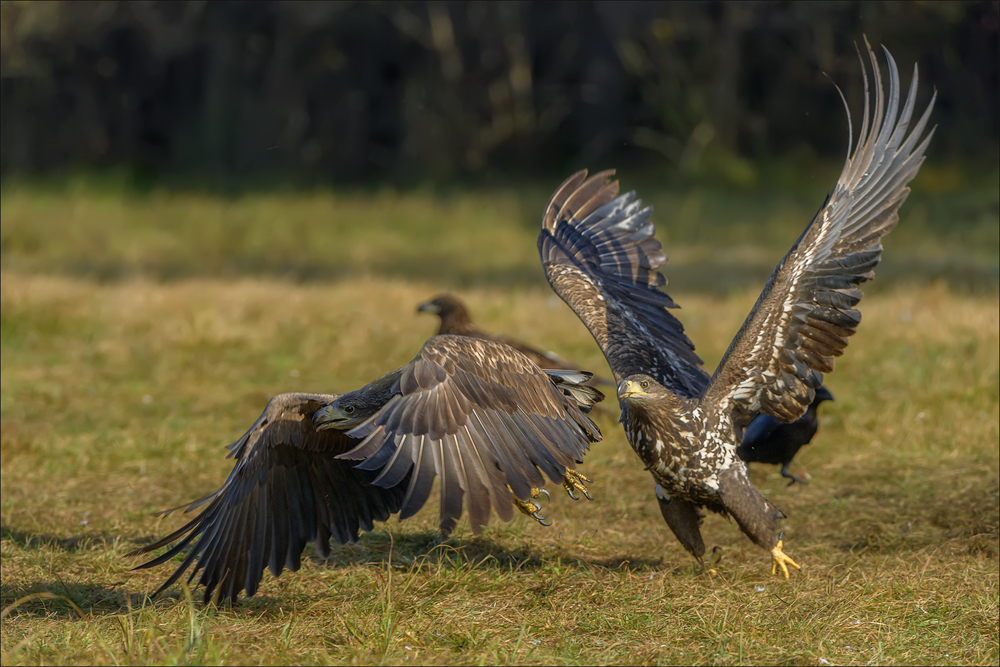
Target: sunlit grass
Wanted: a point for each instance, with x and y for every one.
(117, 399)
(142, 332)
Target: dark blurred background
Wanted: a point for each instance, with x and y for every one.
(358, 92)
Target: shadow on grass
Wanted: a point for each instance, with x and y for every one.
(964, 515)
(69, 600)
(417, 552)
(26, 540)
(425, 550)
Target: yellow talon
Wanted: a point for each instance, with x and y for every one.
(574, 481)
(780, 559)
(711, 567)
(531, 509)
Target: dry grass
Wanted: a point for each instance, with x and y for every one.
(117, 398)
(140, 334)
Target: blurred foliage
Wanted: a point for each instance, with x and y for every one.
(374, 91)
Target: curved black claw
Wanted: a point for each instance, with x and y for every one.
(575, 481)
(529, 508)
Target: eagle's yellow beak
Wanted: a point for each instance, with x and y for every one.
(629, 388)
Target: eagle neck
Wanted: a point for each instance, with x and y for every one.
(663, 420)
(384, 387)
(457, 323)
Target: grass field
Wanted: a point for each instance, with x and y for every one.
(140, 334)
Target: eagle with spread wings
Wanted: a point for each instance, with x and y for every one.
(477, 414)
(601, 257)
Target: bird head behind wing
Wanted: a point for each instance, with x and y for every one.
(355, 407)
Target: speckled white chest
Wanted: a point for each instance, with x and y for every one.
(686, 460)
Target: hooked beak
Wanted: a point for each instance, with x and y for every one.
(428, 308)
(329, 417)
(629, 388)
(823, 394)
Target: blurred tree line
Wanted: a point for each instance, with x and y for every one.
(363, 91)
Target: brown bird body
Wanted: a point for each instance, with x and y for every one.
(456, 321)
(601, 257)
(476, 414)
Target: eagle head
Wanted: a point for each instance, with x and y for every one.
(444, 305)
(640, 388)
(356, 407)
(341, 415)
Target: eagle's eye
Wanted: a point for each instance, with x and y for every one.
(349, 409)
(644, 384)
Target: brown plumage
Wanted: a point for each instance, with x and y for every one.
(600, 255)
(455, 320)
(477, 414)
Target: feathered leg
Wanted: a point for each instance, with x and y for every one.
(684, 520)
(756, 516)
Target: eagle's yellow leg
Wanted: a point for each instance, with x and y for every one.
(780, 559)
(713, 561)
(529, 508)
(574, 481)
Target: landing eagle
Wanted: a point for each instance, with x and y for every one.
(478, 414)
(601, 257)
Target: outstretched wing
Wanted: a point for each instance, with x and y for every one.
(288, 489)
(481, 416)
(806, 312)
(600, 255)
